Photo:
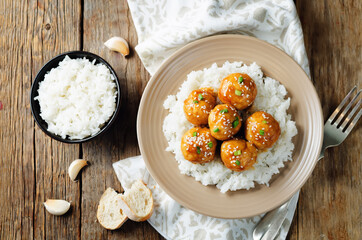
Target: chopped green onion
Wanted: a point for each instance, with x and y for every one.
(265, 121)
(216, 129)
(195, 101)
(238, 92)
(241, 79)
(237, 153)
(237, 162)
(210, 144)
(261, 132)
(224, 110)
(198, 150)
(194, 134)
(236, 122)
(201, 97)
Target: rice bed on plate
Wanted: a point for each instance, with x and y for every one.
(271, 98)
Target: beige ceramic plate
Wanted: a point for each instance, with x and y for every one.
(305, 109)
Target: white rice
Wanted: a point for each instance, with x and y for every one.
(77, 98)
(271, 98)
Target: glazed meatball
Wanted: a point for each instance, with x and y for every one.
(198, 146)
(224, 122)
(238, 155)
(198, 105)
(262, 130)
(238, 90)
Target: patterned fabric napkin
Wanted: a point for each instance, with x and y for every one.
(165, 26)
(173, 221)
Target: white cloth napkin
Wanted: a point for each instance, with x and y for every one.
(173, 221)
(164, 26)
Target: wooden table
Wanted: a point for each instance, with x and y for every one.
(33, 167)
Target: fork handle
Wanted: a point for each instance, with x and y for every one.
(321, 155)
(325, 145)
(272, 218)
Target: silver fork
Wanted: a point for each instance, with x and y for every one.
(336, 129)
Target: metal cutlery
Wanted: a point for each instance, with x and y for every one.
(336, 129)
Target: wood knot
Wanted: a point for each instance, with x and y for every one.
(47, 26)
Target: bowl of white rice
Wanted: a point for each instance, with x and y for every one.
(75, 97)
(284, 91)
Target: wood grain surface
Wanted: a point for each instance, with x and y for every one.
(330, 202)
(33, 167)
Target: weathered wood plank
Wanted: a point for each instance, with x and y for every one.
(102, 21)
(33, 167)
(330, 203)
(16, 125)
(56, 29)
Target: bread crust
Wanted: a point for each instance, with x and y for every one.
(99, 211)
(130, 213)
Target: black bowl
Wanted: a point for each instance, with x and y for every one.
(53, 63)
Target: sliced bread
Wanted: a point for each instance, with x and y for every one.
(110, 214)
(137, 202)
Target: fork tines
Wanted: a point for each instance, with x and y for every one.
(340, 119)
